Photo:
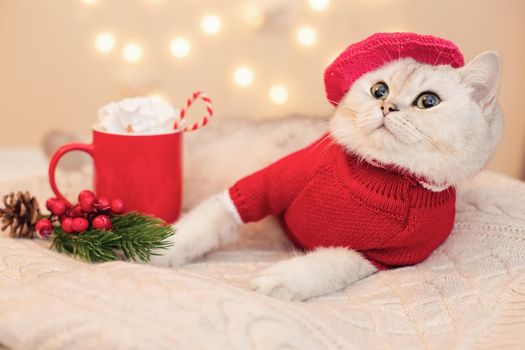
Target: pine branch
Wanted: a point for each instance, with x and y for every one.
(133, 235)
(91, 246)
(140, 234)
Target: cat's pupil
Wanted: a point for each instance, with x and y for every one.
(429, 101)
(379, 91)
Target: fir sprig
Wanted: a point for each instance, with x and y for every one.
(140, 234)
(133, 236)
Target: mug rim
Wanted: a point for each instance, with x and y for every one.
(95, 128)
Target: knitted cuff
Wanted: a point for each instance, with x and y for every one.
(230, 206)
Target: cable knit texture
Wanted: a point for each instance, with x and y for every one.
(469, 294)
(327, 197)
(376, 50)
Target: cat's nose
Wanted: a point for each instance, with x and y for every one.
(387, 107)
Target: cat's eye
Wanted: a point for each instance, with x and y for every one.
(427, 100)
(379, 91)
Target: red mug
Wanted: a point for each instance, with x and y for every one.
(143, 170)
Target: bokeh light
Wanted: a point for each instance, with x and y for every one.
(318, 5)
(211, 24)
(158, 97)
(105, 42)
(243, 76)
(306, 36)
(253, 14)
(132, 52)
(180, 47)
(278, 94)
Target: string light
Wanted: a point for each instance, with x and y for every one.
(243, 76)
(318, 5)
(132, 52)
(211, 24)
(180, 47)
(253, 14)
(105, 42)
(158, 97)
(278, 94)
(306, 36)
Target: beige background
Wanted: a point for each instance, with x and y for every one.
(52, 77)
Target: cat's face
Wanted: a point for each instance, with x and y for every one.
(437, 122)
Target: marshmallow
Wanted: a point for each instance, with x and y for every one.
(141, 115)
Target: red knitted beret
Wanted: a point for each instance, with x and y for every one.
(376, 50)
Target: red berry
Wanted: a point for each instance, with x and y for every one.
(75, 212)
(79, 225)
(43, 225)
(49, 203)
(85, 194)
(88, 204)
(117, 206)
(102, 222)
(102, 203)
(67, 225)
(46, 232)
(58, 207)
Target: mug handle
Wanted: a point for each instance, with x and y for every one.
(56, 157)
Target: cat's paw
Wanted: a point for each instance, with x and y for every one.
(202, 230)
(286, 280)
(317, 273)
(176, 254)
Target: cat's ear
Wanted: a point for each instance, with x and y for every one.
(482, 74)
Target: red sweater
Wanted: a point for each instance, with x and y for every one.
(327, 197)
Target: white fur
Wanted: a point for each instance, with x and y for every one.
(322, 271)
(444, 144)
(205, 228)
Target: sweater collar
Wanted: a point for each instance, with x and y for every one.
(425, 183)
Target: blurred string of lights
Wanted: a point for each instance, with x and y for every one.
(254, 13)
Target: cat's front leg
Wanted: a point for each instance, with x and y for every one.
(322, 271)
(206, 227)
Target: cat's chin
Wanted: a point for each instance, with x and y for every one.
(385, 138)
(384, 149)
(384, 131)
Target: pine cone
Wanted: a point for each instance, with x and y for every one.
(21, 213)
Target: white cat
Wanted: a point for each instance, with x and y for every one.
(444, 145)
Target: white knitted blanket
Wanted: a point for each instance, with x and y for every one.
(470, 294)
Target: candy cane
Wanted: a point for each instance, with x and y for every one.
(209, 112)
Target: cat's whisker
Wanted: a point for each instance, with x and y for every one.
(321, 98)
(438, 56)
(366, 121)
(381, 58)
(332, 101)
(413, 133)
(435, 155)
(321, 123)
(369, 126)
(433, 141)
(385, 51)
(323, 139)
(326, 148)
(345, 107)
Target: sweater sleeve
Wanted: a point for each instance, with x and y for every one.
(271, 190)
